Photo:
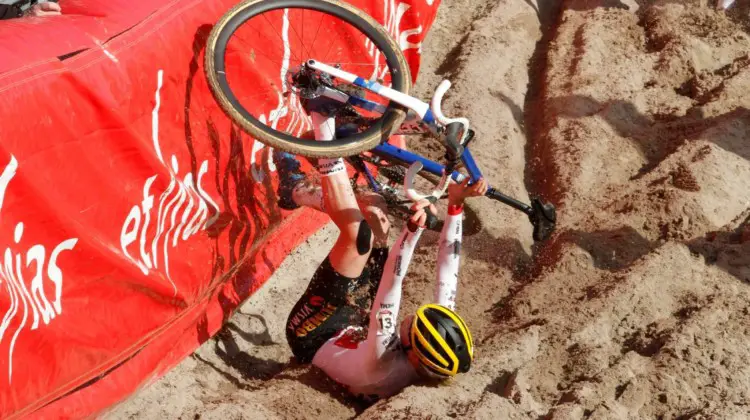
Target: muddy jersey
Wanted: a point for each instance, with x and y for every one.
(331, 303)
(377, 366)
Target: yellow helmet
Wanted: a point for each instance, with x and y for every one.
(441, 341)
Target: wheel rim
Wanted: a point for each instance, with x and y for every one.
(290, 33)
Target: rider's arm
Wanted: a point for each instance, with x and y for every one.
(450, 240)
(448, 257)
(384, 313)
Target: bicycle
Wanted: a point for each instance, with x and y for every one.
(367, 111)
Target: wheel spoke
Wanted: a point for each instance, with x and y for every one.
(254, 61)
(278, 35)
(301, 40)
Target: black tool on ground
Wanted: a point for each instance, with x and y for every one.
(542, 215)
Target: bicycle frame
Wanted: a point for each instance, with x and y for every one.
(394, 153)
(425, 117)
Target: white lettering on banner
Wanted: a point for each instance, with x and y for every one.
(179, 212)
(394, 12)
(182, 209)
(33, 298)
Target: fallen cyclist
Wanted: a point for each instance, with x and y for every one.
(325, 327)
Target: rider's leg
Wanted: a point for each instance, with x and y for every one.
(296, 190)
(351, 251)
(375, 209)
(329, 304)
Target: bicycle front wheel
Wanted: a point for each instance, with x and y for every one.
(253, 63)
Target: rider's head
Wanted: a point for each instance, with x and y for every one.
(437, 341)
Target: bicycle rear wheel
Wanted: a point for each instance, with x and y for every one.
(254, 61)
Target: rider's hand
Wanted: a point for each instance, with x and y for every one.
(419, 217)
(44, 9)
(458, 193)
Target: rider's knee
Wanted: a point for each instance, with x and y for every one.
(364, 238)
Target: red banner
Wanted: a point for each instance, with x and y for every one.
(134, 217)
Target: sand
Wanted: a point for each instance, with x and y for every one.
(633, 118)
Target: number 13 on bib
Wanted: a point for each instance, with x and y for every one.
(386, 323)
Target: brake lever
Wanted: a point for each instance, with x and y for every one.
(452, 142)
(437, 110)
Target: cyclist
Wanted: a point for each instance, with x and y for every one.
(325, 327)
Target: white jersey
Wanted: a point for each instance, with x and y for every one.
(377, 367)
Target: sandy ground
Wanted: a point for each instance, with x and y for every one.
(633, 117)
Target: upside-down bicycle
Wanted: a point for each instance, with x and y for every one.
(337, 61)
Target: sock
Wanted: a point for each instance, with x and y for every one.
(325, 130)
(328, 167)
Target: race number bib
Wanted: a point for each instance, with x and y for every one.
(386, 322)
